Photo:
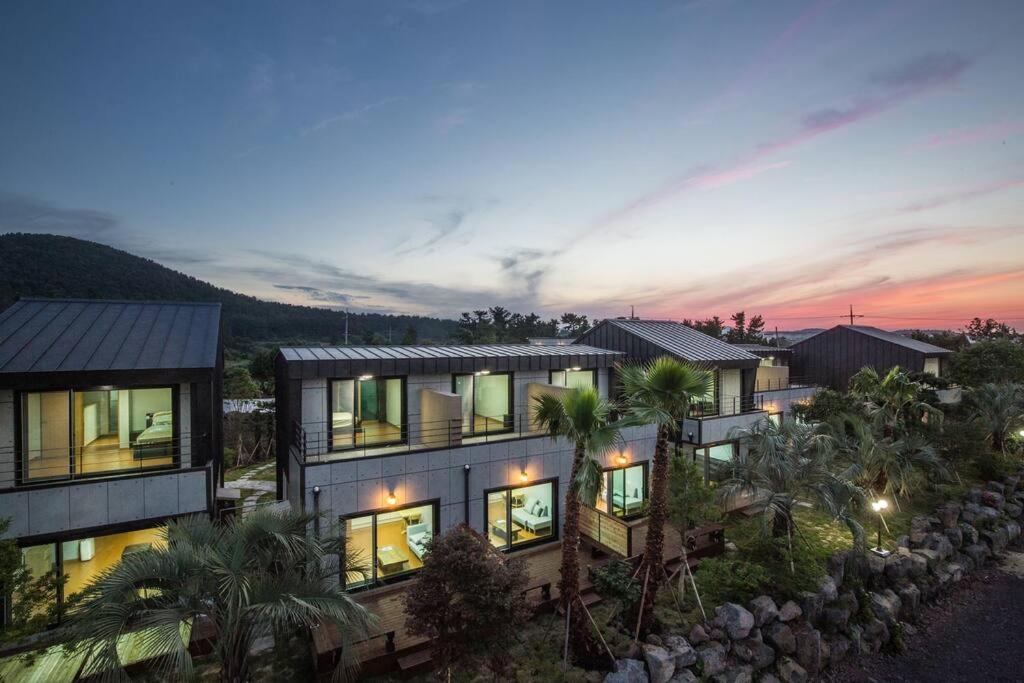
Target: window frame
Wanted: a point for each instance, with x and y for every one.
(20, 397)
(645, 464)
(374, 581)
(404, 429)
(511, 401)
(556, 531)
(592, 371)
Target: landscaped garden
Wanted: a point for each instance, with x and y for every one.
(798, 587)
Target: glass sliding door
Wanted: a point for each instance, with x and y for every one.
(486, 402)
(367, 411)
(522, 515)
(388, 544)
(626, 490)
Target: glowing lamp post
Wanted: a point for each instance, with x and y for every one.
(879, 507)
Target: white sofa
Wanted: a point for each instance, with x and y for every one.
(416, 537)
(534, 516)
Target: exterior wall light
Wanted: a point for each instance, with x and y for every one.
(365, 378)
(392, 498)
(575, 369)
(622, 459)
(523, 476)
(879, 506)
(478, 373)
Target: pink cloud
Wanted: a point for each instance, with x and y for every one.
(970, 136)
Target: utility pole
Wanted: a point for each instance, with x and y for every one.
(852, 316)
(776, 336)
(632, 313)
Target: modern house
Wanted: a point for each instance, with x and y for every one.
(398, 443)
(110, 423)
(832, 357)
(775, 389)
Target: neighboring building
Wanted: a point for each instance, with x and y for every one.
(832, 357)
(549, 341)
(775, 389)
(707, 435)
(110, 423)
(399, 443)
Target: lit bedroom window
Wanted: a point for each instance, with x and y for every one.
(368, 411)
(522, 515)
(94, 431)
(387, 544)
(625, 491)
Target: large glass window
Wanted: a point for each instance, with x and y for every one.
(67, 433)
(522, 515)
(625, 491)
(39, 560)
(367, 412)
(574, 378)
(486, 402)
(388, 544)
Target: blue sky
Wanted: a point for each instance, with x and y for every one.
(688, 158)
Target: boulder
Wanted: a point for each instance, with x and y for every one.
(627, 671)
(790, 672)
(886, 606)
(876, 565)
(973, 496)
(903, 541)
(1011, 483)
(1013, 510)
(828, 590)
(769, 678)
(876, 634)
(764, 610)
(849, 600)
(932, 557)
(698, 635)
(993, 500)
(1012, 530)
(895, 567)
(718, 634)
(964, 561)
(660, 663)
(978, 552)
(735, 674)
(780, 636)
(970, 534)
(811, 650)
(949, 515)
(836, 566)
(839, 648)
(712, 659)
(684, 676)
(811, 604)
(988, 516)
(910, 600)
(834, 619)
(682, 652)
(758, 654)
(654, 639)
(737, 620)
(917, 565)
(996, 539)
(955, 536)
(789, 611)
(919, 528)
(994, 486)
(939, 543)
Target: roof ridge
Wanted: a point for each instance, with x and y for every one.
(150, 302)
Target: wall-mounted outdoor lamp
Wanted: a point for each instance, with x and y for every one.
(879, 507)
(482, 372)
(575, 368)
(523, 476)
(392, 498)
(365, 378)
(622, 459)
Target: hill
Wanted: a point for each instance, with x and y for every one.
(56, 266)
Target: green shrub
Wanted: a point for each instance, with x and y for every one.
(614, 581)
(722, 579)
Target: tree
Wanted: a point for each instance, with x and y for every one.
(999, 410)
(993, 361)
(988, 329)
(954, 341)
(825, 405)
(581, 417)
(468, 600)
(261, 367)
(574, 325)
(713, 326)
(248, 578)
(410, 337)
(744, 332)
(659, 393)
(36, 604)
(784, 463)
(894, 403)
(238, 383)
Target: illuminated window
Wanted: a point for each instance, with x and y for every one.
(367, 412)
(486, 402)
(517, 516)
(625, 491)
(574, 379)
(388, 544)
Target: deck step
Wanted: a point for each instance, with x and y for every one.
(415, 661)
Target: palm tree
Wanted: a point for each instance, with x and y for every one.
(248, 578)
(660, 393)
(787, 462)
(999, 409)
(893, 402)
(581, 417)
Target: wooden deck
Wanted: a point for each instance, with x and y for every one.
(543, 562)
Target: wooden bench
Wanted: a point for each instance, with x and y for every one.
(415, 662)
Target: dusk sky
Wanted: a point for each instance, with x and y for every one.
(688, 158)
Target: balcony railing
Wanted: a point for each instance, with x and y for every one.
(780, 383)
(726, 405)
(315, 442)
(32, 466)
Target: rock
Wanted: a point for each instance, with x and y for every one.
(955, 536)
(949, 515)
(811, 650)
(682, 652)
(828, 590)
(994, 486)
(886, 606)
(839, 648)
(993, 499)
(978, 552)
(764, 610)
(627, 671)
(660, 663)
(698, 635)
(654, 639)
(970, 534)
(718, 634)
(1011, 483)
(735, 674)
(780, 636)
(876, 633)
(769, 678)
(895, 567)
(996, 539)
(931, 556)
(903, 541)
(919, 528)
(939, 543)
(811, 604)
(1013, 510)
(834, 619)
(849, 601)
(916, 565)
(738, 621)
(791, 672)
(876, 565)
(988, 516)
(712, 659)
(684, 676)
(965, 562)
(910, 599)
(1012, 530)
(789, 611)
(754, 652)
(836, 566)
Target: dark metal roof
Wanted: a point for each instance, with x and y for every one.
(757, 349)
(348, 361)
(895, 338)
(661, 337)
(88, 335)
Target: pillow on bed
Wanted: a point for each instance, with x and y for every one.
(532, 510)
(543, 513)
(164, 417)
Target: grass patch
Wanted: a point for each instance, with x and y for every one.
(249, 471)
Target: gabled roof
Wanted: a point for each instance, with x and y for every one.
(83, 335)
(666, 337)
(349, 361)
(893, 338)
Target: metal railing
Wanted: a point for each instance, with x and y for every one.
(318, 442)
(723, 406)
(780, 383)
(27, 466)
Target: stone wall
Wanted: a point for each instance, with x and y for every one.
(864, 602)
